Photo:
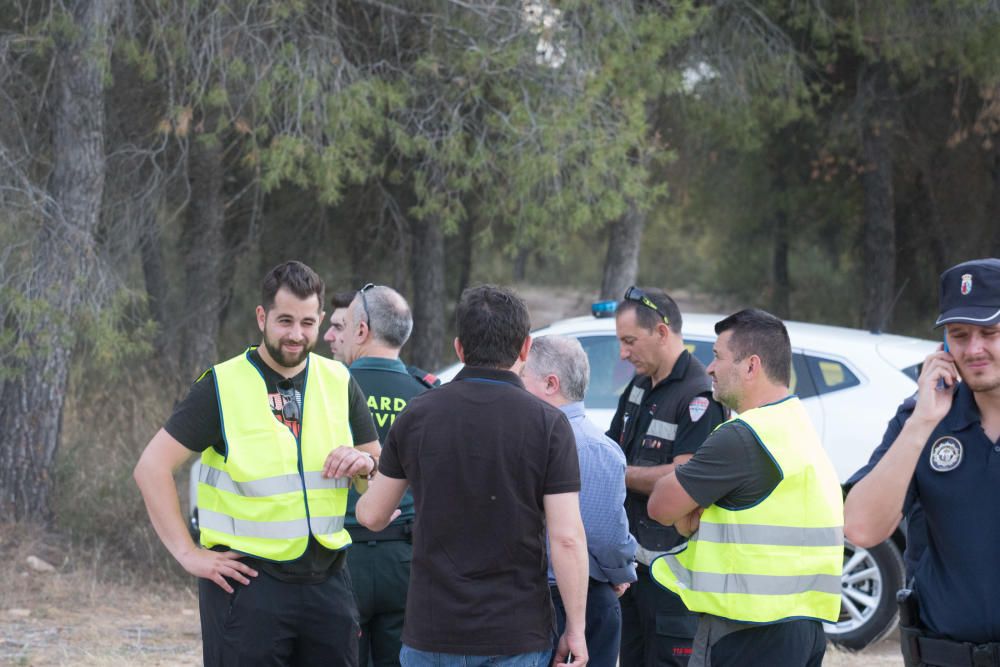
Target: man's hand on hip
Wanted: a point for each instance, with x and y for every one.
(215, 565)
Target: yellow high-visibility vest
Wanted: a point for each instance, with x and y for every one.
(781, 558)
(266, 494)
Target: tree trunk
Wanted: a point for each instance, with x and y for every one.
(31, 406)
(154, 275)
(781, 285)
(520, 269)
(466, 248)
(427, 272)
(879, 242)
(621, 265)
(993, 213)
(203, 244)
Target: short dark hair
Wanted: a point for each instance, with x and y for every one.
(294, 276)
(759, 332)
(646, 317)
(342, 299)
(492, 326)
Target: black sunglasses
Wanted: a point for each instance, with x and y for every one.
(635, 294)
(364, 302)
(289, 404)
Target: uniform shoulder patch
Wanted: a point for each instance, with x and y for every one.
(697, 407)
(946, 454)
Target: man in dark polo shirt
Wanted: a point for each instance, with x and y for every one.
(376, 323)
(490, 467)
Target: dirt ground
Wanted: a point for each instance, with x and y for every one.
(82, 612)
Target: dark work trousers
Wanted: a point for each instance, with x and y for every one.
(604, 622)
(270, 622)
(657, 629)
(380, 574)
(791, 644)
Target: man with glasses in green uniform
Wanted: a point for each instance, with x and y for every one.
(663, 416)
(377, 323)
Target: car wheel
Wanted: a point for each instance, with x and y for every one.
(868, 595)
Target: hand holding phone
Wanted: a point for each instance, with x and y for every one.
(941, 386)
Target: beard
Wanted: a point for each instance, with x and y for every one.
(982, 385)
(983, 382)
(284, 358)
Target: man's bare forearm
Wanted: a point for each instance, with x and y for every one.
(154, 478)
(642, 479)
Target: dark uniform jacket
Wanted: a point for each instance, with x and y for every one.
(655, 424)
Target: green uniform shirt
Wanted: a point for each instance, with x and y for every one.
(389, 387)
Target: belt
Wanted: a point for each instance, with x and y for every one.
(396, 532)
(645, 556)
(947, 653)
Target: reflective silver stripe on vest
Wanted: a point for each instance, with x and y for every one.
(646, 556)
(661, 429)
(752, 584)
(782, 536)
(326, 525)
(269, 486)
(274, 530)
(635, 396)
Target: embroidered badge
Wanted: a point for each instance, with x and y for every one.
(966, 283)
(946, 454)
(697, 407)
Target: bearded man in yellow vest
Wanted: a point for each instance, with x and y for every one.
(763, 508)
(282, 432)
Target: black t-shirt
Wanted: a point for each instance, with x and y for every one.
(196, 424)
(389, 386)
(731, 469)
(480, 453)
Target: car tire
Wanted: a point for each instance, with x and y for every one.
(869, 583)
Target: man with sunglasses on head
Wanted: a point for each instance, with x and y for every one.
(282, 433)
(376, 324)
(663, 416)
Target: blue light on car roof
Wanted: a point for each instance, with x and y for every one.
(603, 308)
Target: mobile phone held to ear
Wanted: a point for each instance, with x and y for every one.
(940, 383)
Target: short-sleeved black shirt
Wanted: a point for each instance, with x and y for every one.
(196, 424)
(480, 453)
(731, 469)
(389, 385)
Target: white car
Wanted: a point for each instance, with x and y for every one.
(850, 382)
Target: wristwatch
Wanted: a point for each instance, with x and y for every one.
(370, 475)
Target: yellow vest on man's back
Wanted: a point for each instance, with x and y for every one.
(266, 494)
(781, 558)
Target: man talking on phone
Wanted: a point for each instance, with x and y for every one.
(940, 460)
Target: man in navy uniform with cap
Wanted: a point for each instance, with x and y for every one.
(940, 457)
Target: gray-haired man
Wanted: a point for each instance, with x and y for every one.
(376, 324)
(557, 371)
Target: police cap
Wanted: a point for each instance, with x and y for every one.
(970, 293)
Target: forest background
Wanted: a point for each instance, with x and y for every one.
(824, 160)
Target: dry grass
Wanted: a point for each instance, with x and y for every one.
(79, 615)
(97, 610)
(884, 653)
